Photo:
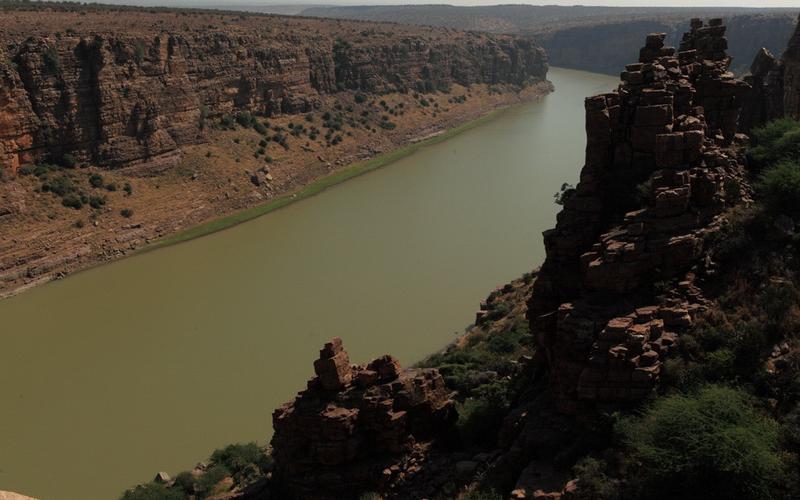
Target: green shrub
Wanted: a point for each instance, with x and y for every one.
(710, 444)
(111, 187)
(500, 343)
(50, 58)
(96, 180)
(206, 483)
(261, 129)
(72, 201)
(139, 50)
(68, 161)
(593, 483)
(60, 186)
(126, 212)
(776, 141)
(128, 189)
(153, 491)
(779, 188)
(97, 201)
(245, 119)
(480, 416)
(227, 122)
(561, 197)
(236, 457)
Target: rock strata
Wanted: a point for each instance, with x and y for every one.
(357, 428)
(105, 94)
(668, 134)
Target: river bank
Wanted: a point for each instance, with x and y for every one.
(221, 184)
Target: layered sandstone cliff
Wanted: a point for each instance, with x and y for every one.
(669, 134)
(122, 90)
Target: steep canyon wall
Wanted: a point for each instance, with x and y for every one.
(119, 90)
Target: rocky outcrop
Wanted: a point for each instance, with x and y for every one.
(775, 86)
(357, 428)
(667, 134)
(121, 97)
(791, 76)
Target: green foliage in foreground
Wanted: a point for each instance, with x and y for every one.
(152, 491)
(710, 444)
(242, 461)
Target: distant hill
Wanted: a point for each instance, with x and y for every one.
(600, 39)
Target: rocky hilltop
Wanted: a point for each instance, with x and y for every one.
(103, 93)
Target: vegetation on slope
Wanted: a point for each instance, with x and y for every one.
(727, 422)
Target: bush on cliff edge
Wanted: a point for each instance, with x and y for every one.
(709, 444)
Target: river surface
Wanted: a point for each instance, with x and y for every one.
(149, 363)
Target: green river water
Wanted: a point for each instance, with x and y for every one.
(149, 363)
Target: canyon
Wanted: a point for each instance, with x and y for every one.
(201, 114)
(637, 269)
(630, 270)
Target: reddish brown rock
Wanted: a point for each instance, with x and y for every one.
(130, 90)
(338, 437)
(667, 134)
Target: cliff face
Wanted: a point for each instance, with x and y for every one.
(776, 85)
(669, 134)
(613, 43)
(791, 75)
(611, 33)
(118, 97)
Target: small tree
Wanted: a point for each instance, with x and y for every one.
(710, 444)
(779, 188)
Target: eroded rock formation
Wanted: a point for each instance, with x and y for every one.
(776, 86)
(664, 141)
(357, 428)
(108, 95)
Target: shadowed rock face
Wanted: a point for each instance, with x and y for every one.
(776, 86)
(669, 134)
(791, 75)
(353, 427)
(117, 98)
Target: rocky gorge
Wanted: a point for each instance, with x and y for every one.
(638, 274)
(661, 324)
(246, 108)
